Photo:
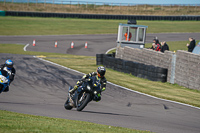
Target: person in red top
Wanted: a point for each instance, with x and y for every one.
(126, 35)
(156, 47)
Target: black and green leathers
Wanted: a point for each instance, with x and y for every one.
(101, 80)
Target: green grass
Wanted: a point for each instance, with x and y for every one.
(22, 123)
(63, 26)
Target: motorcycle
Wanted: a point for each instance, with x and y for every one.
(4, 80)
(84, 94)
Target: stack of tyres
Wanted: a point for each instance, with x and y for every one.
(110, 55)
(99, 59)
(130, 67)
(113, 54)
(126, 68)
(104, 59)
(135, 67)
(140, 70)
(109, 62)
(114, 64)
(150, 72)
(157, 73)
(146, 71)
(118, 65)
(161, 74)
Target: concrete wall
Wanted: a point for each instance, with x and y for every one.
(187, 70)
(147, 57)
(187, 65)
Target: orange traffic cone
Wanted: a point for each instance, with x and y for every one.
(72, 45)
(86, 45)
(33, 42)
(56, 44)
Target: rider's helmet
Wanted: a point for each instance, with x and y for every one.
(101, 71)
(9, 64)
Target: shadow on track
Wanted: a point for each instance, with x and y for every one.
(106, 113)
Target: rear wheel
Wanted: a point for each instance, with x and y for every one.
(82, 101)
(67, 106)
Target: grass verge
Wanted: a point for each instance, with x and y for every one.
(64, 26)
(15, 122)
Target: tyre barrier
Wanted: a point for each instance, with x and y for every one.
(102, 16)
(99, 59)
(140, 70)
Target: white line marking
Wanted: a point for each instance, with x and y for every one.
(110, 50)
(25, 47)
(121, 86)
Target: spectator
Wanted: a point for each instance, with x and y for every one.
(126, 35)
(156, 41)
(155, 47)
(191, 45)
(164, 46)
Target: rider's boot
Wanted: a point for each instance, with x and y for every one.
(98, 98)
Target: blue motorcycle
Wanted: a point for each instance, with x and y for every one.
(4, 80)
(85, 93)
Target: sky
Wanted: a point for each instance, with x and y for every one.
(146, 1)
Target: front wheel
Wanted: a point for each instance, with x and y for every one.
(82, 101)
(67, 105)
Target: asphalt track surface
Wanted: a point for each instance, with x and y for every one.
(96, 43)
(40, 88)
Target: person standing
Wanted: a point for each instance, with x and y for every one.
(164, 46)
(128, 37)
(191, 45)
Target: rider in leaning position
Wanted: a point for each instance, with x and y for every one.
(100, 77)
(8, 67)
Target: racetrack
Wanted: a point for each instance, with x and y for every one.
(96, 43)
(40, 88)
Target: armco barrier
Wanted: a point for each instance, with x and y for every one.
(102, 16)
(137, 69)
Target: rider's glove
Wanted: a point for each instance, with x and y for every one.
(94, 73)
(84, 77)
(79, 82)
(103, 89)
